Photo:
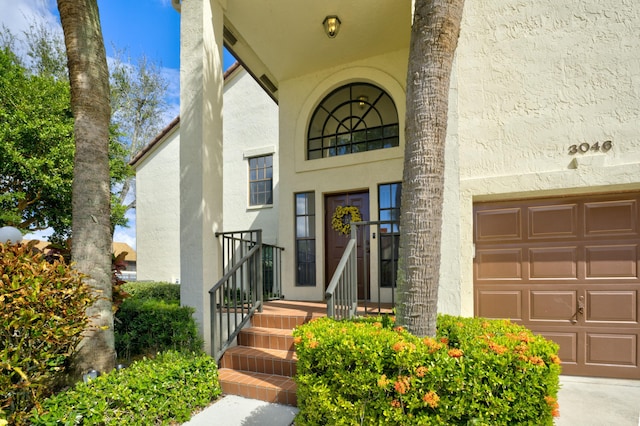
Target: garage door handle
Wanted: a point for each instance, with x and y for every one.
(581, 305)
(579, 310)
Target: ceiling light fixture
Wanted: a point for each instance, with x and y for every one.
(362, 101)
(331, 25)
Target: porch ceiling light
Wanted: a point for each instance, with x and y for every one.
(331, 25)
(362, 101)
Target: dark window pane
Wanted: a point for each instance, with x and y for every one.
(311, 204)
(315, 155)
(375, 133)
(390, 131)
(260, 180)
(305, 243)
(358, 113)
(374, 145)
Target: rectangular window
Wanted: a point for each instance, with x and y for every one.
(305, 239)
(389, 214)
(261, 180)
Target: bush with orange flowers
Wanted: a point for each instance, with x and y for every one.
(475, 371)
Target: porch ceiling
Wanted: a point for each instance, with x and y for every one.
(287, 36)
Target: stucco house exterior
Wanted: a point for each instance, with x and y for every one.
(541, 220)
(158, 177)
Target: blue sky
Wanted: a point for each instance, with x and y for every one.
(141, 27)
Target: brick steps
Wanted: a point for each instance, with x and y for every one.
(265, 387)
(260, 360)
(263, 364)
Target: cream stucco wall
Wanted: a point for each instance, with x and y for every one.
(530, 80)
(535, 78)
(250, 127)
(158, 211)
(355, 172)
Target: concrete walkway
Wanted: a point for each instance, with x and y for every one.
(584, 401)
(238, 411)
(588, 401)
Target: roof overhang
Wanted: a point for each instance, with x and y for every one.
(281, 40)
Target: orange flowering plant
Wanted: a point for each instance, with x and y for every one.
(368, 371)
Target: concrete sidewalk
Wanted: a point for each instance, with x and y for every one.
(590, 401)
(238, 411)
(584, 401)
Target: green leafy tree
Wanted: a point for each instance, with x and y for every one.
(24, 101)
(36, 149)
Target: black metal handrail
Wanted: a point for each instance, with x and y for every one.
(239, 293)
(272, 271)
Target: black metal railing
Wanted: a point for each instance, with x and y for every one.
(272, 272)
(252, 274)
(238, 294)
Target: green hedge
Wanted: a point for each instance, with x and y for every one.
(141, 290)
(42, 316)
(164, 390)
(477, 371)
(147, 326)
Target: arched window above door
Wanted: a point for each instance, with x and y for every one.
(354, 118)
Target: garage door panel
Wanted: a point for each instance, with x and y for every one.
(554, 262)
(500, 304)
(612, 349)
(611, 218)
(612, 306)
(499, 224)
(553, 221)
(499, 264)
(552, 306)
(568, 343)
(571, 274)
(612, 261)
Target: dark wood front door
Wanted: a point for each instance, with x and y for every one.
(336, 242)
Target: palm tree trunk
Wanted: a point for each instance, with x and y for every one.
(434, 38)
(91, 249)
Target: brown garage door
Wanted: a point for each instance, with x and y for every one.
(566, 268)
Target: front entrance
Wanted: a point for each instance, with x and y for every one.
(336, 242)
(567, 268)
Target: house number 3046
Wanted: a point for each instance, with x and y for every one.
(583, 148)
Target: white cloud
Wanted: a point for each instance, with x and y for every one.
(19, 15)
(125, 235)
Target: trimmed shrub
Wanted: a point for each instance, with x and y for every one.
(477, 371)
(145, 327)
(164, 390)
(151, 320)
(168, 292)
(41, 321)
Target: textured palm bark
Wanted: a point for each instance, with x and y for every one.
(91, 249)
(434, 38)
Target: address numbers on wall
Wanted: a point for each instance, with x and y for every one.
(583, 148)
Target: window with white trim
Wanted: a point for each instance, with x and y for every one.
(261, 180)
